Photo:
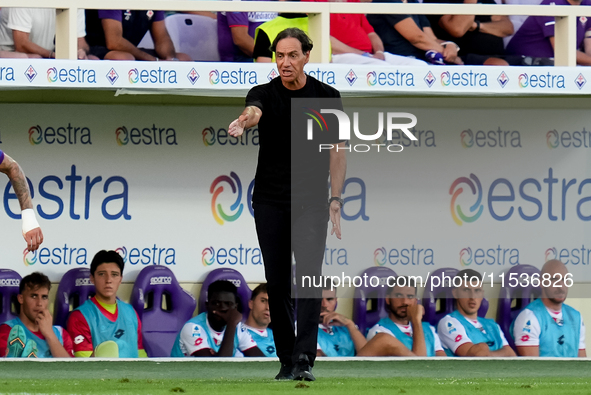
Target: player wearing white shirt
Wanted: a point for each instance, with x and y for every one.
(394, 335)
(462, 332)
(218, 332)
(548, 327)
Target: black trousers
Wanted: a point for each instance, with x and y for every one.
(300, 230)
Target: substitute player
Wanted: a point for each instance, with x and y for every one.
(338, 336)
(104, 325)
(217, 332)
(259, 319)
(548, 327)
(31, 230)
(462, 332)
(395, 335)
(31, 334)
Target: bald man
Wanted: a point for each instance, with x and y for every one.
(548, 327)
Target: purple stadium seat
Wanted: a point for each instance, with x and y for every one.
(163, 307)
(9, 283)
(514, 299)
(365, 317)
(234, 277)
(74, 289)
(443, 295)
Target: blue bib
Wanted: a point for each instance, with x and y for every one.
(337, 344)
(265, 344)
(387, 323)
(201, 320)
(492, 337)
(556, 340)
(42, 347)
(123, 331)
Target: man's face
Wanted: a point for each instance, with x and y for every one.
(259, 309)
(468, 298)
(107, 279)
(220, 302)
(557, 291)
(33, 301)
(329, 301)
(400, 298)
(290, 59)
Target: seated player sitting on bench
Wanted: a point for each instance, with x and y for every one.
(31, 334)
(104, 326)
(217, 332)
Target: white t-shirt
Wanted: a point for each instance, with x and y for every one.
(193, 338)
(38, 22)
(527, 329)
(453, 334)
(406, 329)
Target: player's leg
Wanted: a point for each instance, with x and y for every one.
(384, 345)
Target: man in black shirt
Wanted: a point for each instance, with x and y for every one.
(290, 196)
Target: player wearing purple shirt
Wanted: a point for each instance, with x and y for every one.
(535, 38)
(236, 34)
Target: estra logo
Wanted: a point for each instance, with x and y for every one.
(489, 255)
(152, 77)
(59, 135)
(233, 77)
(393, 78)
(469, 78)
(528, 204)
(405, 255)
(65, 255)
(466, 256)
(148, 255)
(569, 256)
(231, 184)
(235, 255)
(539, 80)
(220, 136)
(145, 136)
(492, 139)
(71, 75)
(566, 139)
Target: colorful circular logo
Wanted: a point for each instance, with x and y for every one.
(29, 257)
(445, 78)
(52, 74)
(552, 139)
(379, 256)
(123, 252)
(467, 138)
(122, 136)
(35, 135)
(134, 76)
(207, 251)
(523, 80)
(372, 78)
(217, 210)
(466, 256)
(214, 77)
(210, 131)
(456, 210)
(550, 254)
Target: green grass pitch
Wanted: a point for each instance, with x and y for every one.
(437, 376)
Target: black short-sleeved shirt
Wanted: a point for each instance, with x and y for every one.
(471, 42)
(395, 42)
(282, 178)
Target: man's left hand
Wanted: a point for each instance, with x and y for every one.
(34, 238)
(335, 218)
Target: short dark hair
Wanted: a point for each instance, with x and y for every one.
(105, 256)
(33, 281)
(294, 32)
(409, 281)
(469, 274)
(260, 289)
(222, 286)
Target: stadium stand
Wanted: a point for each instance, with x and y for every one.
(73, 290)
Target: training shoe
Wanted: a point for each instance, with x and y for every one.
(30, 350)
(16, 342)
(285, 372)
(302, 370)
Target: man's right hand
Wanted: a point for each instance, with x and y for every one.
(237, 127)
(34, 238)
(415, 312)
(232, 317)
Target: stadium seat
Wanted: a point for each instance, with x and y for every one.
(195, 35)
(439, 302)
(74, 289)
(367, 316)
(514, 299)
(9, 285)
(163, 307)
(234, 277)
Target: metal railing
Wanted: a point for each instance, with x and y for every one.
(319, 14)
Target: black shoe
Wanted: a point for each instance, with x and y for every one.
(285, 372)
(302, 369)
